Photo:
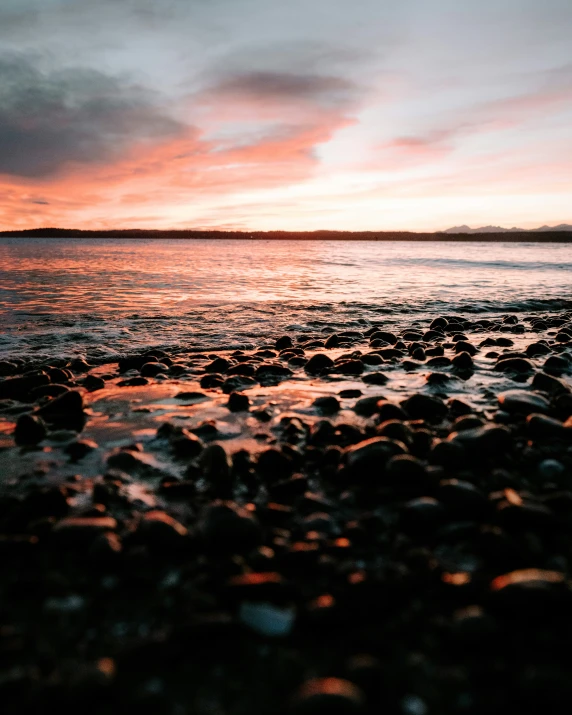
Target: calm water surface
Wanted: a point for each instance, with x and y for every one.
(61, 296)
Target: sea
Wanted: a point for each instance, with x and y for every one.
(101, 298)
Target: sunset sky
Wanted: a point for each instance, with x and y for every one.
(265, 114)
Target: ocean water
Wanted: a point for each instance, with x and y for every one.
(101, 298)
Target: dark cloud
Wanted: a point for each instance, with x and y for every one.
(285, 86)
(76, 115)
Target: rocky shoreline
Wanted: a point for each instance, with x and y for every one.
(353, 521)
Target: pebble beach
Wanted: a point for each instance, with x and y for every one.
(376, 518)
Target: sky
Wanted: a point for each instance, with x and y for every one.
(273, 115)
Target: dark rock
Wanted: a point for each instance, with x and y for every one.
(463, 361)
(133, 382)
(348, 367)
(483, 441)
(80, 448)
(367, 406)
(439, 361)
(7, 368)
(329, 696)
(536, 349)
(422, 515)
(209, 382)
(17, 388)
(557, 365)
(237, 383)
(229, 528)
(375, 378)
(318, 363)
(152, 369)
(241, 369)
(425, 407)
(47, 391)
(462, 346)
(549, 383)
(217, 366)
(29, 430)
(327, 405)
(390, 411)
(274, 370)
(439, 323)
(274, 465)
(93, 383)
(65, 411)
(384, 335)
(284, 342)
(238, 402)
(515, 364)
(522, 402)
(540, 426)
(332, 342)
(366, 460)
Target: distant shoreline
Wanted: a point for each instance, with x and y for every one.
(509, 237)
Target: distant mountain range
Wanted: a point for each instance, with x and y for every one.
(499, 229)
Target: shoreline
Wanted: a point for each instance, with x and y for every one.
(232, 525)
(372, 236)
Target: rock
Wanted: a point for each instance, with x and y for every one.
(522, 402)
(93, 383)
(462, 346)
(80, 448)
(217, 366)
(161, 531)
(463, 361)
(348, 367)
(536, 349)
(212, 381)
(422, 515)
(390, 411)
(186, 445)
(17, 388)
(152, 369)
(439, 323)
(318, 363)
(551, 469)
(425, 407)
(550, 384)
(540, 426)
(65, 411)
(47, 391)
(237, 402)
(237, 383)
(329, 696)
(367, 406)
(462, 498)
(384, 335)
(557, 365)
(215, 464)
(133, 382)
(327, 405)
(267, 619)
(535, 594)
(192, 396)
(375, 378)
(484, 441)
(242, 369)
(439, 361)
(447, 454)
(514, 364)
(284, 342)
(273, 464)
(367, 459)
(408, 475)
(29, 430)
(77, 530)
(273, 370)
(7, 368)
(229, 528)
(332, 342)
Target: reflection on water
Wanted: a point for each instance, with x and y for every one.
(117, 293)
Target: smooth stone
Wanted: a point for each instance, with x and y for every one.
(327, 405)
(375, 378)
(284, 342)
(514, 364)
(229, 528)
(29, 430)
(523, 402)
(318, 363)
(366, 459)
(329, 696)
(538, 426)
(367, 406)
(93, 383)
(425, 407)
(218, 365)
(463, 361)
(237, 402)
